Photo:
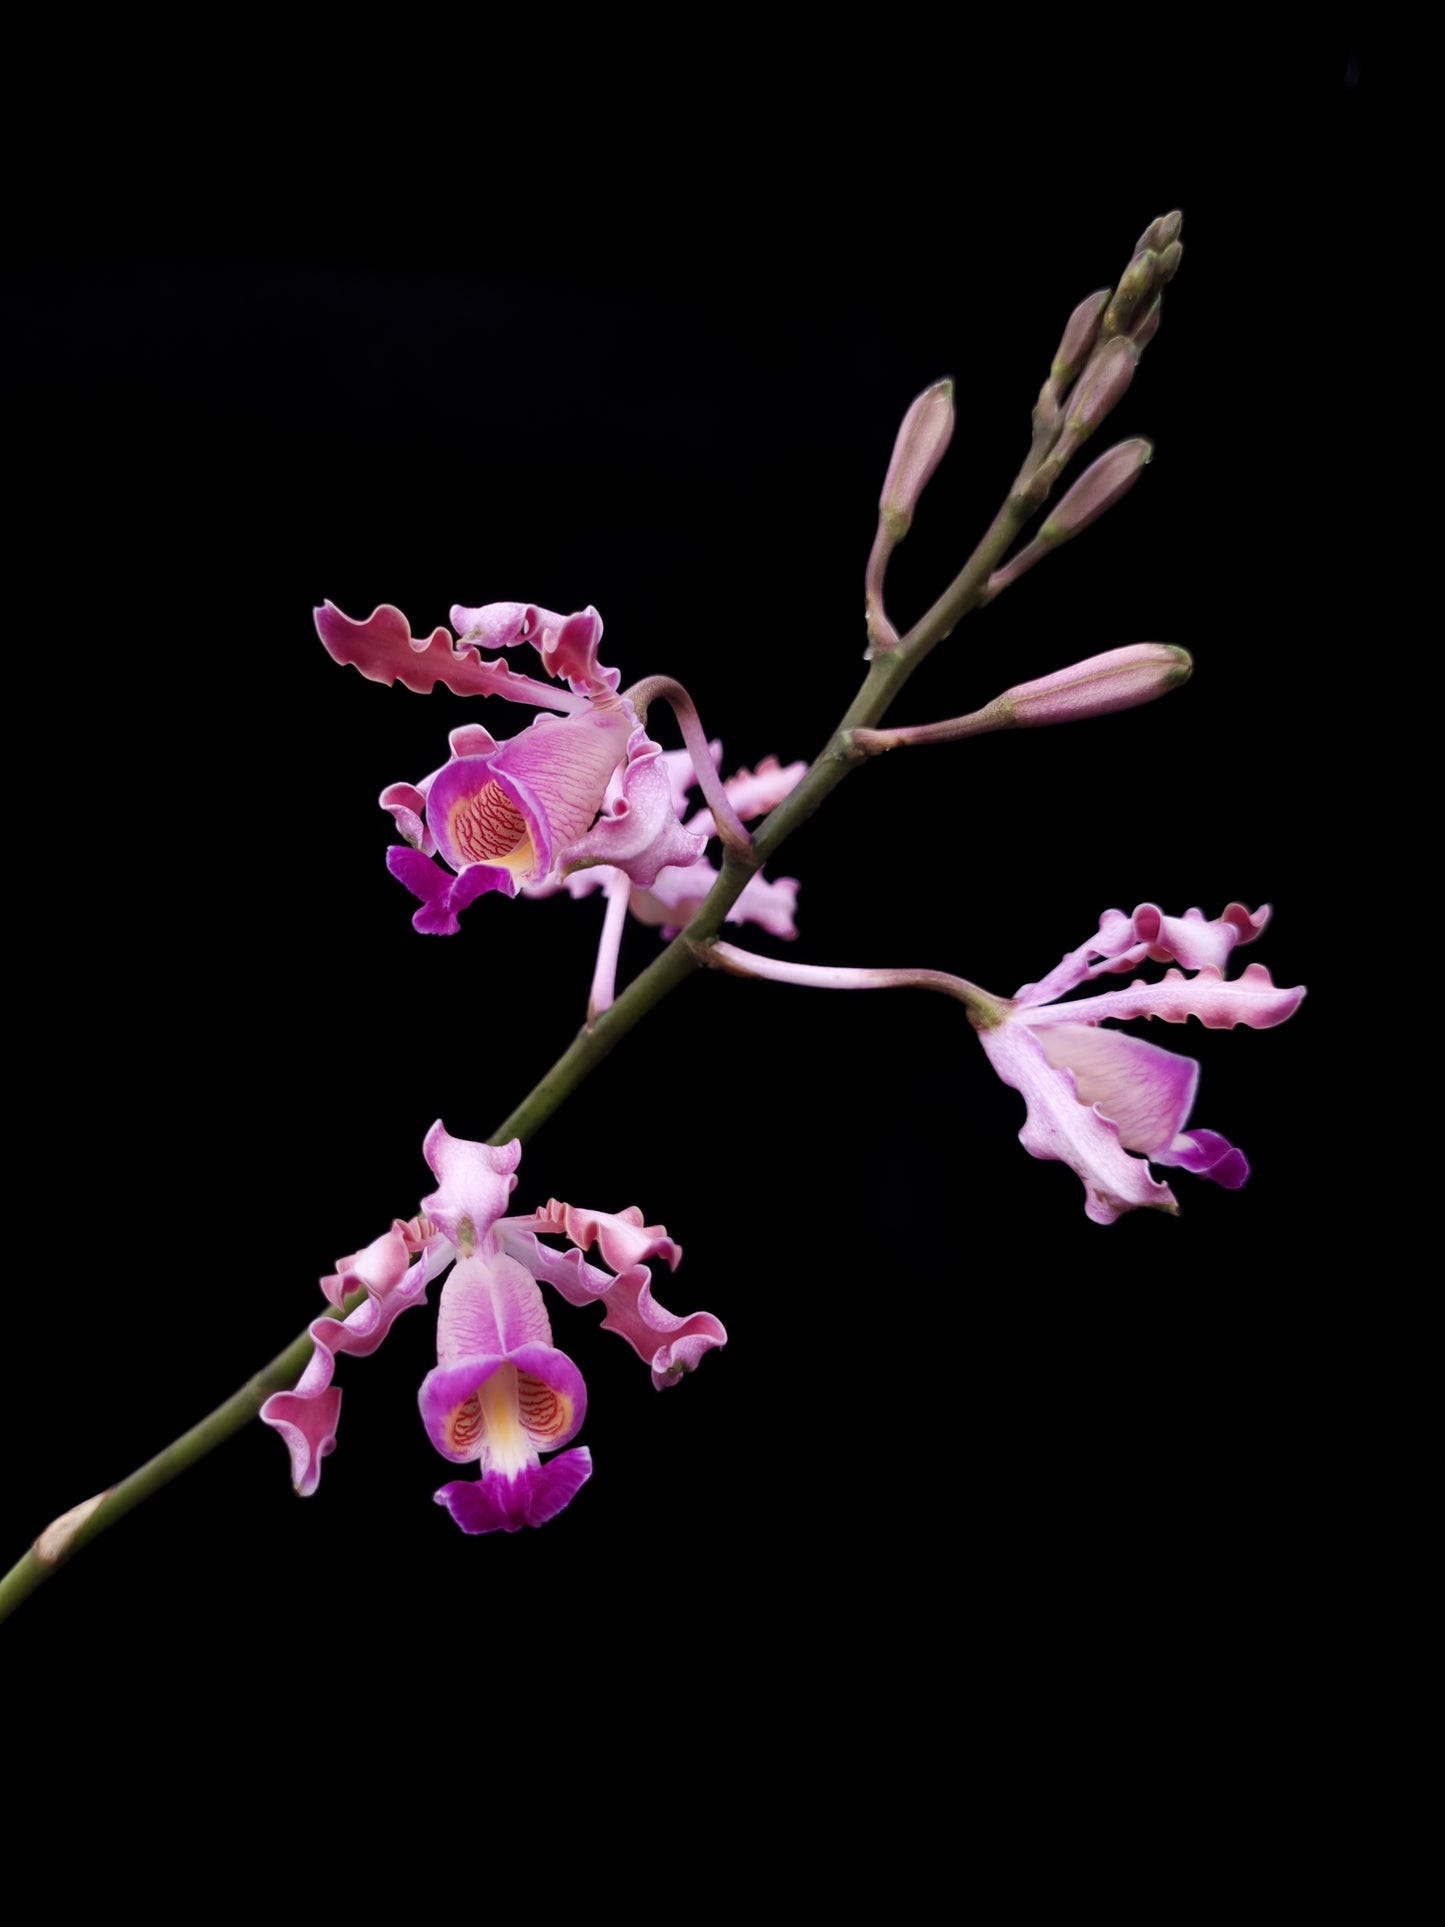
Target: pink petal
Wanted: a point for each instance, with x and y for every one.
(669, 1344)
(621, 1236)
(384, 650)
(1252, 998)
(308, 1427)
(1146, 1090)
(1193, 940)
(1059, 1126)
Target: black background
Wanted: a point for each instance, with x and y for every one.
(959, 1432)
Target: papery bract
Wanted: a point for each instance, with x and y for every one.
(1094, 1095)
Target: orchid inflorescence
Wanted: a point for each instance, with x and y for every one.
(586, 800)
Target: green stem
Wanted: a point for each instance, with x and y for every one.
(887, 674)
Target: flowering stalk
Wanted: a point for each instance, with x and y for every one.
(510, 816)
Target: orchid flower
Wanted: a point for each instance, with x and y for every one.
(505, 815)
(501, 1392)
(1094, 1095)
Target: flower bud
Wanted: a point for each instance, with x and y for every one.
(1159, 234)
(923, 437)
(1101, 387)
(1136, 284)
(1079, 337)
(1119, 679)
(1101, 485)
(1169, 262)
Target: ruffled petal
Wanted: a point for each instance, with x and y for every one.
(569, 649)
(1146, 1090)
(307, 1415)
(1193, 939)
(1252, 998)
(530, 1498)
(668, 1344)
(1121, 942)
(641, 835)
(384, 650)
(1059, 1126)
(621, 1236)
(307, 1425)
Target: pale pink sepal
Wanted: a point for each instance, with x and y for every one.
(384, 650)
(1060, 1126)
(640, 835)
(1252, 998)
(474, 1182)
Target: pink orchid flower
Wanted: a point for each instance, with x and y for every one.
(1094, 1095)
(503, 816)
(501, 1393)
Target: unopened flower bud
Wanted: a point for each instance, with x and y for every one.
(1079, 338)
(923, 437)
(1136, 283)
(1169, 261)
(1100, 486)
(1119, 679)
(1160, 233)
